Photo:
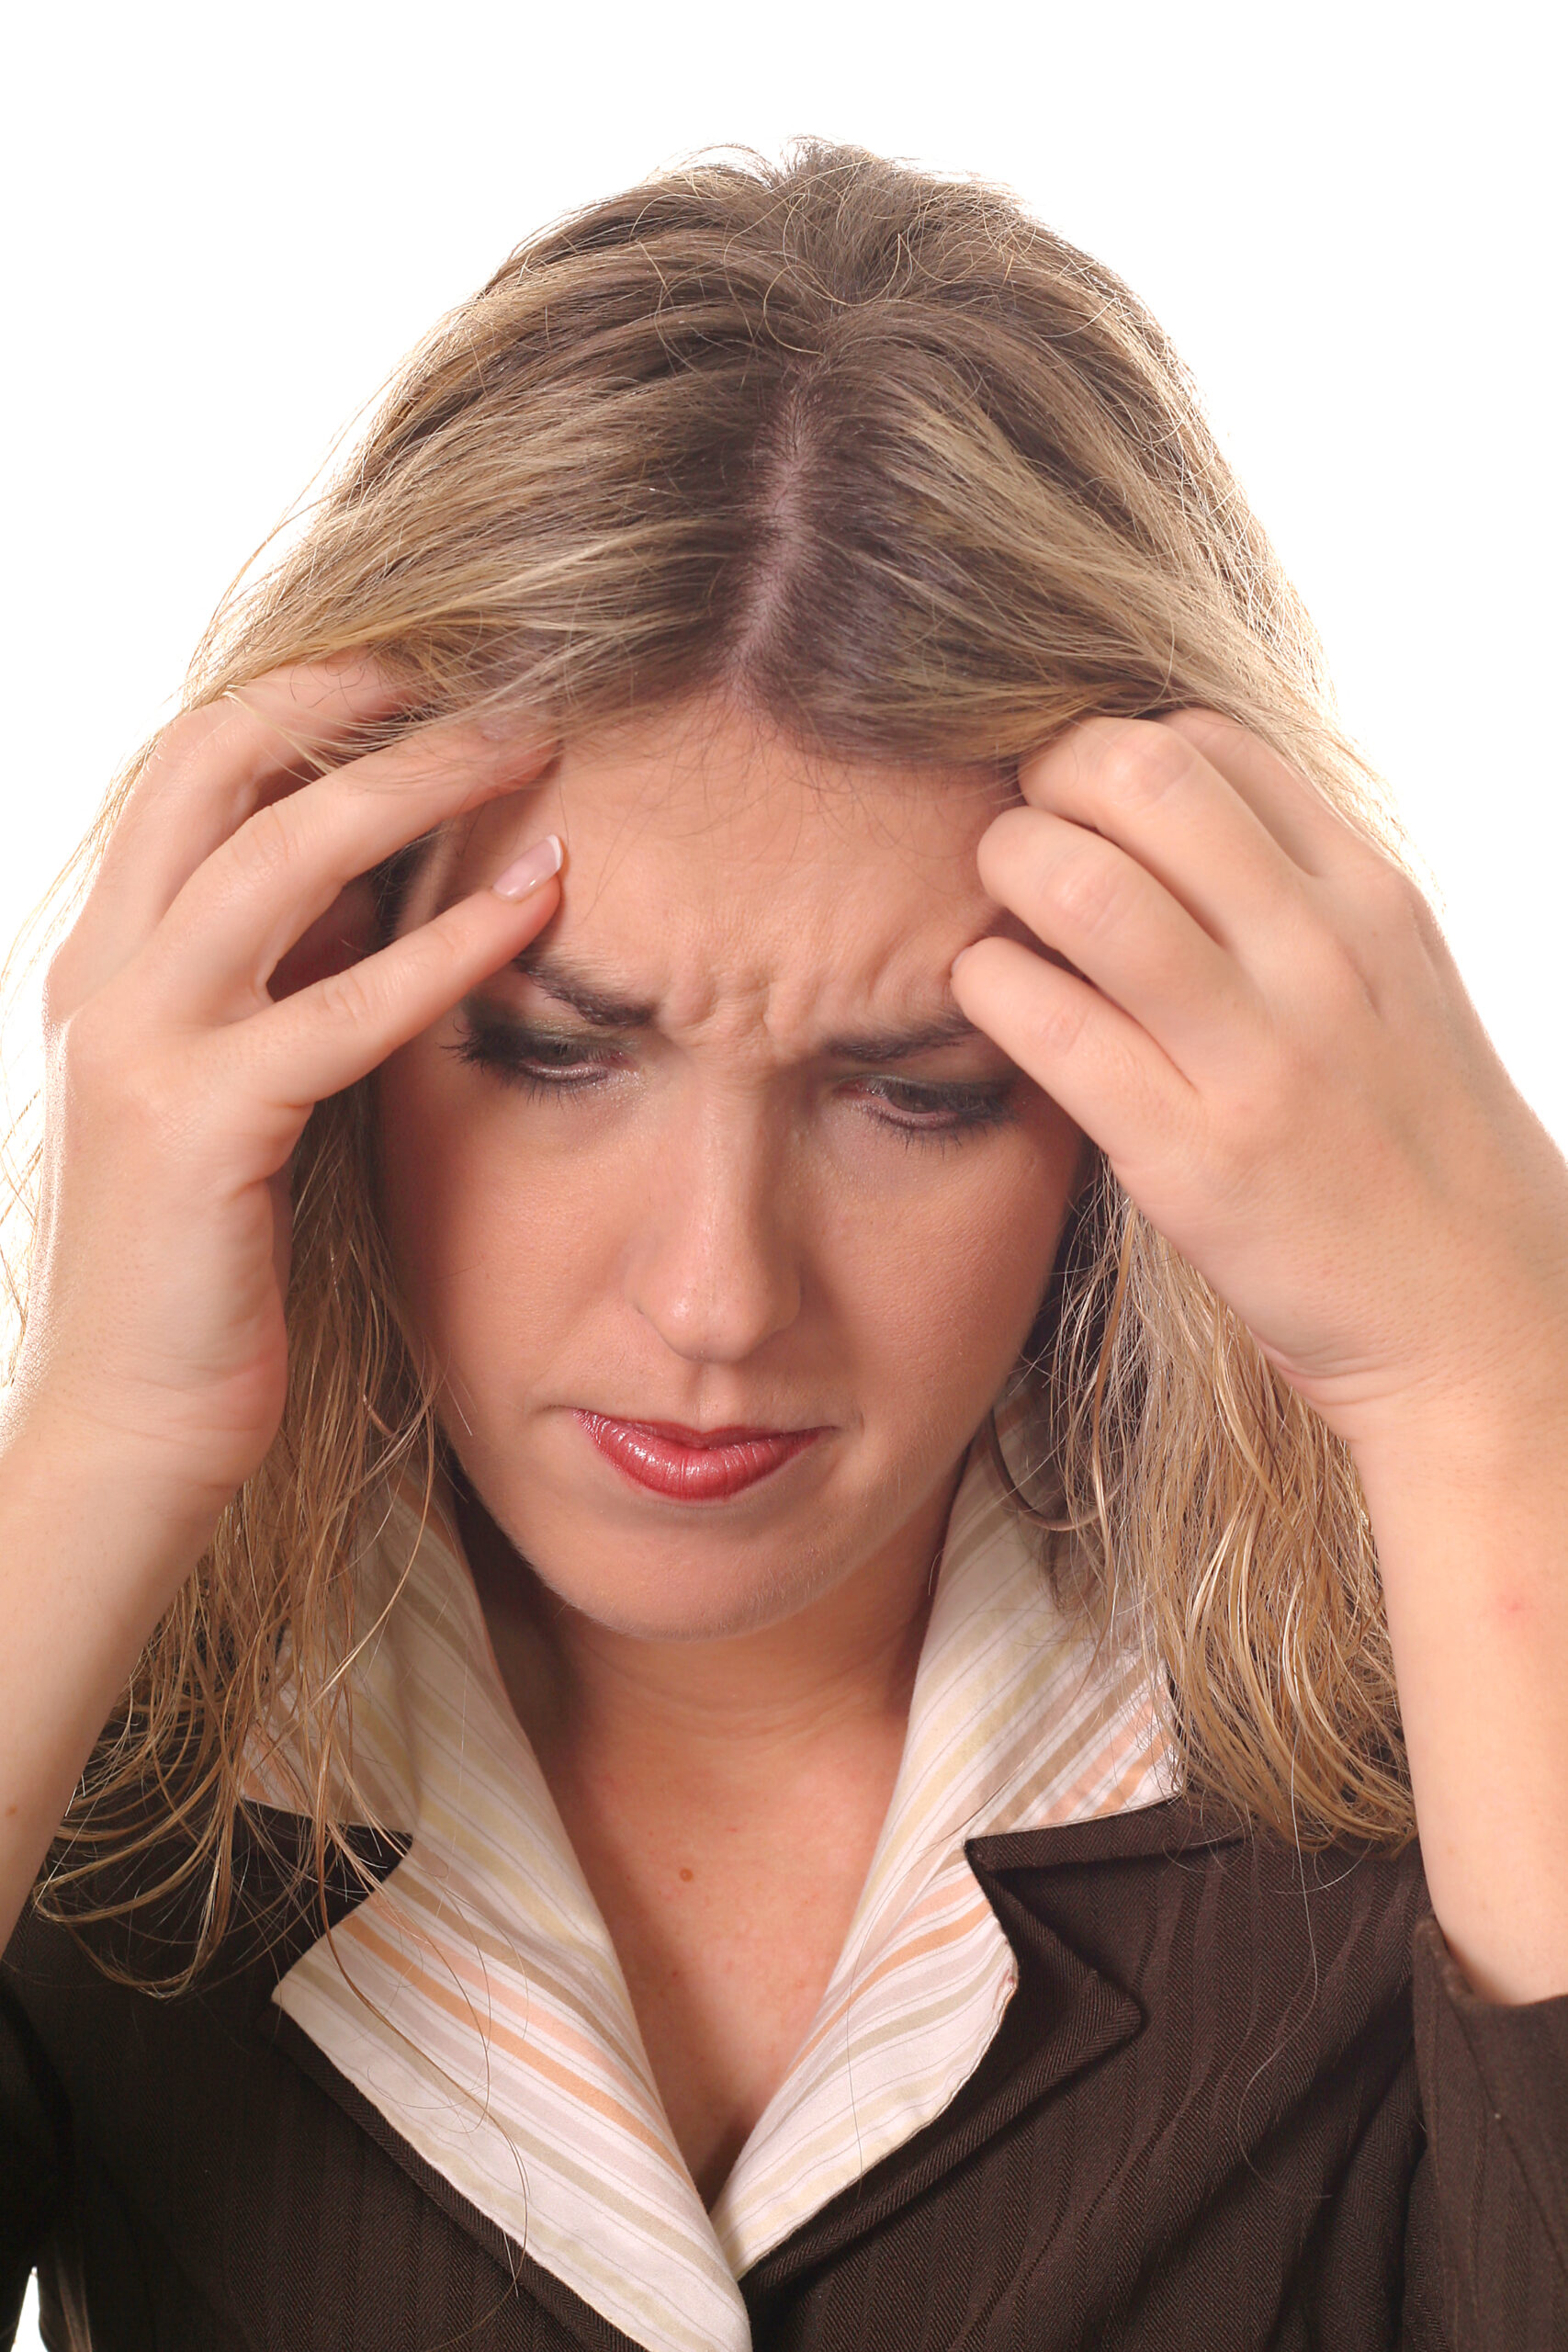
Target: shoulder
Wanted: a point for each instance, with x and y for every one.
(114, 1952)
(1188, 1890)
(1203, 2087)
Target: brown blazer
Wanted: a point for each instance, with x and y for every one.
(1237, 2103)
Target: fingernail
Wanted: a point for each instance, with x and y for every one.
(526, 872)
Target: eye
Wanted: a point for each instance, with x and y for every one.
(919, 1109)
(540, 1061)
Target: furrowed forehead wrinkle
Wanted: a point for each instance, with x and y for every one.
(604, 1008)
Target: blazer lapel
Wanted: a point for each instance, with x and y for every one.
(1066, 2014)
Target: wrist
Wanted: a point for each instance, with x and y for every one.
(1467, 1488)
(91, 1552)
(75, 1469)
(1500, 1412)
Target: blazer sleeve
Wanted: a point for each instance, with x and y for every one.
(1487, 2248)
(34, 2156)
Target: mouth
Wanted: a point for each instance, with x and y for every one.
(693, 1465)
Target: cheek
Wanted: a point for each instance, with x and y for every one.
(484, 1250)
(960, 1281)
(924, 1285)
(420, 1177)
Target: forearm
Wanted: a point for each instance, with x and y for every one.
(1470, 1507)
(87, 1563)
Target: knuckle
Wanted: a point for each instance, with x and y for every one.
(1136, 771)
(198, 742)
(1262, 1108)
(1344, 999)
(110, 1081)
(89, 1043)
(1390, 898)
(383, 991)
(1088, 889)
(1324, 993)
(82, 1043)
(437, 955)
(193, 730)
(153, 1104)
(355, 998)
(1238, 1156)
(60, 990)
(1058, 1027)
(265, 847)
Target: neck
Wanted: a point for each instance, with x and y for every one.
(840, 1668)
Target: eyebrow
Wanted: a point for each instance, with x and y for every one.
(602, 1007)
(900, 1044)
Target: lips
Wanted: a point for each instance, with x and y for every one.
(693, 1465)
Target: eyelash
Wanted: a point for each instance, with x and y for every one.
(514, 1055)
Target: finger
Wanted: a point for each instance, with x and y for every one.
(207, 772)
(1082, 896)
(337, 1031)
(332, 941)
(262, 890)
(1314, 834)
(1144, 787)
(1106, 1071)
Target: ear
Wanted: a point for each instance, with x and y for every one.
(333, 941)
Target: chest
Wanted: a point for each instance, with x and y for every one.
(729, 1912)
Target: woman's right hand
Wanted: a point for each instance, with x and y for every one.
(178, 1084)
(153, 1373)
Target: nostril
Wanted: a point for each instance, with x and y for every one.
(717, 1312)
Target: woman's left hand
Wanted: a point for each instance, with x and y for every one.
(1263, 1029)
(1267, 1035)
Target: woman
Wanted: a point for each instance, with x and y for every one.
(920, 1413)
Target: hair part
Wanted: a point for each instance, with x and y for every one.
(881, 458)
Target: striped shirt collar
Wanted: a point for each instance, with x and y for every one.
(475, 1998)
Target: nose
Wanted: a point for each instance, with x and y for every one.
(713, 1264)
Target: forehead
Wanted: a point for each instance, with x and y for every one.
(712, 864)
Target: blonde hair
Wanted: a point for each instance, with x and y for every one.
(881, 457)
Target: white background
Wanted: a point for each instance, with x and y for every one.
(225, 224)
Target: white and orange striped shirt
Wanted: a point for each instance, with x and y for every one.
(475, 1998)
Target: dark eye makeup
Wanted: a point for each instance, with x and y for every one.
(559, 1064)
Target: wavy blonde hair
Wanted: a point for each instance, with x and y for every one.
(878, 455)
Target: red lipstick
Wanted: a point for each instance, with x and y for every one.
(693, 1465)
